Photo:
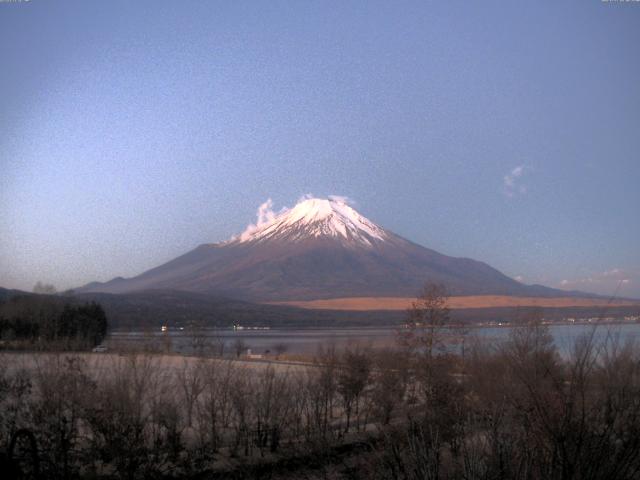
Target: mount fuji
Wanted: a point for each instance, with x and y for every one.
(319, 249)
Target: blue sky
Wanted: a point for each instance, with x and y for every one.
(509, 132)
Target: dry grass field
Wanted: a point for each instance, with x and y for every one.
(473, 301)
(99, 364)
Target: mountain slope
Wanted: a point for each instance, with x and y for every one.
(321, 248)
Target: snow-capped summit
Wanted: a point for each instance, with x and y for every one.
(313, 217)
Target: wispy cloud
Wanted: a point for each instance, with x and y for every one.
(265, 214)
(306, 196)
(610, 282)
(513, 181)
(342, 199)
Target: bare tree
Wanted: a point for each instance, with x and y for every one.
(121, 415)
(190, 381)
(320, 391)
(427, 319)
(240, 394)
(353, 377)
(62, 386)
(271, 408)
(16, 385)
(390, 380)
(215, 407)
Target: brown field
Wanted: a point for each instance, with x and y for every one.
(474, 301)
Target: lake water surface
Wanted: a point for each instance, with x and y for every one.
(307, 341)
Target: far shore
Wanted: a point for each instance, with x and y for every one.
(474, 325)
(456, 302)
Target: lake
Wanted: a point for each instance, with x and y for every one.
(307, 341)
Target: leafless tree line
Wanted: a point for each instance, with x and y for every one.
(133, 416)
(515, 410)
(521, 411)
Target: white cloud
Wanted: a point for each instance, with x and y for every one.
(615, 281)
(306, 196)
(341, 199)
(613, 272)
(512, 181)
(265, 214)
